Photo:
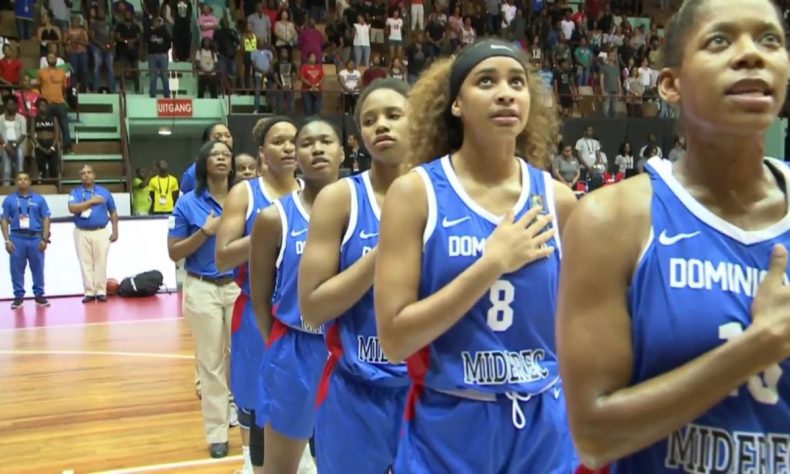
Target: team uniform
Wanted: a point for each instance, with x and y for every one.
(361, 395)
(495, 372)
(691, 292)
(246, 346)
(295, 352)
(25, 215)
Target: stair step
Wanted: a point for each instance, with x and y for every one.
(96, 108)
(97, 148)
(79, 158)
(80, 128)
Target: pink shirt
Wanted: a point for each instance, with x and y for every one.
(207, 21)
(27, 102)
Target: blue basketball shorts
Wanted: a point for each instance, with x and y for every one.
(290, 368)
(356, 416)
(246, 352)
(451, 434)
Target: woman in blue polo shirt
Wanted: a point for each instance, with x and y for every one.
(208, 295)
(217, 131)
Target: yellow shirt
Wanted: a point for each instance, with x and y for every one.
(163, 189)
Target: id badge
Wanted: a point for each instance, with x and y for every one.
(24, 222)
(162, 200)
(86, 213)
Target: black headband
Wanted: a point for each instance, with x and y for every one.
(474, 55)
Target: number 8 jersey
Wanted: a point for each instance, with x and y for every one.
(692, 290)
(505, 343)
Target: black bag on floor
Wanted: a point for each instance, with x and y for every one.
(143, 284)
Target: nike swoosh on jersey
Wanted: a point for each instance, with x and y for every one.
(450, 223)
(364, 235)
(297, 233)
(665, 239)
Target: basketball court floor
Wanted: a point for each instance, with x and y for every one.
(102, 388)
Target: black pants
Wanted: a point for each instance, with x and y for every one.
(209, 82)
(47, 163)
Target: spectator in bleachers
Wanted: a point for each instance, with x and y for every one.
(46, 141)
(376, 13)
(27, 98)
(634, 90)
(416, 57)
(47, 33)
(310, 41)
(163, 189)
(226, 41)
(350, 81)
(312, 75)
(652, 142)
(610, 83)
(76, 38)
(182, 32)
(434, 33)
(362, 41)
(417, 14)
(284, 33)
(23, 10)
(518, 29)
(13, 137)
(565, 167)
(59, 61)
(206, 67)
(649, 152)
(285, 74)
(159, 43)
(103, 47)
(127, 37)
(60, 13)
(249, 44)
(51, 83)
(375, 71)
(10, 67)
(493, 16)
(141, 198)
(357, 158)
(207, 22)
(261, 24)
(678, 151)
(565, 87)
(396, 70)
(395, 34)
(263, 71)
(624, 161)
(166, 12)
(584, 59)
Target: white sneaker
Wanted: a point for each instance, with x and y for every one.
(234, 415)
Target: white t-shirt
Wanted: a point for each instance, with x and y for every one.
(468, 36)
(206, 59)
(350, 80)
(659, 153)
(508, 13)
(395, 25)
(588, 149)
(10, 130)
(361, 35)
(567, 28)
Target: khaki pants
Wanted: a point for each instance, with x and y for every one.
(92, 249)
(208, 309)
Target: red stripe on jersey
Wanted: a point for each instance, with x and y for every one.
(278, 330)
(586, 470)
(418, 366)
(238, 310)
(335, 352)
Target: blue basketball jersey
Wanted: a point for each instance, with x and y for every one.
(505, 343)
(354, 334)
(692, 291)
(257, 200)
(294, 221)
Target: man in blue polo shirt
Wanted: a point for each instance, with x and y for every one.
(25, 227)
(93, 207)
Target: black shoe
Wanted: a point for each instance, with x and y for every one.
(16, 303)
(101, 299)
(41, 301)
(89, 299)
(218, 450)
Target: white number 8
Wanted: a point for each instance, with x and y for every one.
(500, 314)
(762, 386)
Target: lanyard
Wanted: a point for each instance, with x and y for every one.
(19, 201)
(90, 195)
(159, 184)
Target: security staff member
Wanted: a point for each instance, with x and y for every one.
(163, 189)
(93, 206)
(25, 227)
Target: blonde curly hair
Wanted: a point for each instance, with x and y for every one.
(429, 101)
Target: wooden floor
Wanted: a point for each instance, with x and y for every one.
(101, 387)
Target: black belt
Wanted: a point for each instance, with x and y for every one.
(92, 228)
(26, 233)
(219, 281)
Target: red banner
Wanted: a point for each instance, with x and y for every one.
(173, 107)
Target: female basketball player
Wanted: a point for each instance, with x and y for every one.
(246, 167)
(208, 294)
(361, 394)
(295, 351)
(673, 352)
(275, 138)
(466, 274)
